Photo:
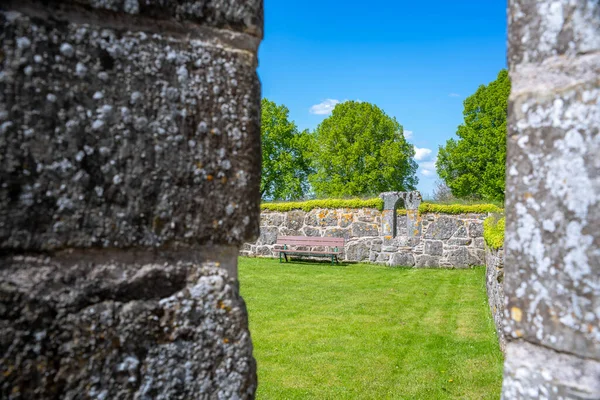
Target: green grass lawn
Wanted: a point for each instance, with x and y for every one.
(370, 332)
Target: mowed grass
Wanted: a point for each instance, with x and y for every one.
(370, 332)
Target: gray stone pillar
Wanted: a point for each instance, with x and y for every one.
(393, 200)
(129, 175)
(552, 244)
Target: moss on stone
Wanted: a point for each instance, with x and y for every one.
(493, 231)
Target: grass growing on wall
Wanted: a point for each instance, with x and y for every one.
(370, 332)
(377, 203)
(493, 231)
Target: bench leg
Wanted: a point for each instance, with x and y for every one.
(285, 255)
(279, 257)
(332, 260)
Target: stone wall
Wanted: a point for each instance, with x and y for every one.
(129, 177)
(494, 264)
(436, 240)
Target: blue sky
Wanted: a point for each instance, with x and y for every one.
(415, 60)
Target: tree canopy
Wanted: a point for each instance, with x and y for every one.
(474, 164)
(359, 150)
(285, 162)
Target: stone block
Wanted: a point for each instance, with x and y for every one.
(427, 261)
(459, 257)
(337, 232)
(434, 248)
(461, 233)
(271, 219)
(402, 259)
(476, 229)
(479, 243)
(536, 372)
(268, 235)
(443, 228)
(295, 219)
(346, 220)
(116, 138)
(552, 28)
(459, 241)
(362, 229)
(357, 251)
(383, 257)
(311, 231)
(552, 261)
(142, 327)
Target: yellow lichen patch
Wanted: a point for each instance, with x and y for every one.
(209, 177)
(516, 314)
(226, 340)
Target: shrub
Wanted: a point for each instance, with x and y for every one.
(493, 231)
(324, 203)
(459, 208)
(377, 203)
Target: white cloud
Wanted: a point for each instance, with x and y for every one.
(421, 153)
(430, 165)
(453, 95)
(426, 172)
(408, 134)
(325, 107)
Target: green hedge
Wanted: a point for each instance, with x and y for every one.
(378, 204)
(493, 231)
(458, 208)
(325, 203)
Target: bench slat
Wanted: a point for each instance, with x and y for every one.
(333, 253)
(310, 241)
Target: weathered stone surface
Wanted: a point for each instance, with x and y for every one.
(434, 248)
(476, 229)
(115, 138)
(361, 229)
(310, 231)
(270, 218)
(552, 258)
(545, 28)
(535, 372)
(459, 241)
(443, 228)
(427, 261)
(268, 235)
(124, 325)
(459, 257)
(337, 232)
(494, 264)
(346, 220)
(357, 251)
(295, 219)
(461, 233)
(402, 259)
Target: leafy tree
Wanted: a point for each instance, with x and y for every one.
(285, 162)
(359, 150)
(474, 165)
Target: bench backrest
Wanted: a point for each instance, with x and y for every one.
(311, 241)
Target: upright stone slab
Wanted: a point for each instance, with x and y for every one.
(552, 279)
(129, 174)
(394, 200)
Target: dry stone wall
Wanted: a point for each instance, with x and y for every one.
(436, 240)
(494, 263)
(129, 174)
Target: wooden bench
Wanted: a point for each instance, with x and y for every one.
(335, 245)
